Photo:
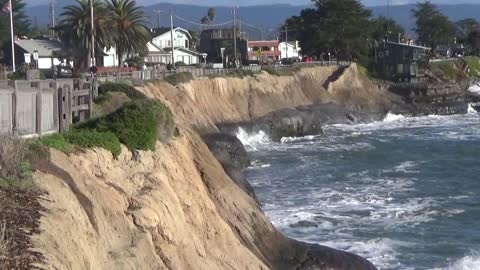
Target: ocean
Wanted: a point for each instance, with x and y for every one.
(403, 192)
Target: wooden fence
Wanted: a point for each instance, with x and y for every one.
(161, 74)
(34, 108)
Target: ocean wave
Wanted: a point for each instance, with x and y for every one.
(471, 262)
(297, 139)
(252, 141)
(471, 109)
(475, 88)
(390, 117)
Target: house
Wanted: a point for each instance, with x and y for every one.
(158, 55)
(400, 62)
(110, 57)
(218, 44)
(163, 38)
(264, 51)
(290, 49)
(27, 49)
(160, 48)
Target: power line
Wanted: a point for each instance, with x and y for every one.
(199, 24)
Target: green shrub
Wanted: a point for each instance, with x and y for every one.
(56, 141)
(447, 69)
(286, 71)
(15, 170)
(240, 73)
(102, 99)
(473, 65)
(179, 78)
(90, 139)
(129, 90)
(138, 124)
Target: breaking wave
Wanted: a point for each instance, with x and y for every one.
(252, 140)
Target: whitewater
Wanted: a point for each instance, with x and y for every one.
(403, 192)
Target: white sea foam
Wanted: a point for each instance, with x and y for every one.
(253, 140)
(475, 88)
(297, 139)
(390, 117)
(471, 110)
(471, 262)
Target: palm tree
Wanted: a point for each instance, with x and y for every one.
(75, 30)
(128, 27)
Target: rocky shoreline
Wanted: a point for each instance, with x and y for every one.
(435, 97)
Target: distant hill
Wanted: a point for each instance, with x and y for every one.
(268, 17)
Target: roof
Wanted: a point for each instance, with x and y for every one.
(407, 45)
(45, 48)
(162, 31)
(263, 43)
(186, 50)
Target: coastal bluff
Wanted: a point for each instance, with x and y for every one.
(185, 205)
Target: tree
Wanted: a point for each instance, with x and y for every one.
(466, 26)
(383, 28)
(212, 13)
(210, 17)
(129, 33)
(75, 30)
(474, 41)
(333, 26)
(20, 21)
(432, 27)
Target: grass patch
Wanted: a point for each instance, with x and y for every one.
(83, 138)
(91, 139)
(179, 78)
(138, 124)
(286, 71)
(102, 99)
(473, 63)
(127, 89)
(447, 69)
(56, 141)
(15, 169)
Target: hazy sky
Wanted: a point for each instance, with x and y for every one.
(257, 2)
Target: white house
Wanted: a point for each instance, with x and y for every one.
(110, 57)
(160, 48)
(181, 38)
(43, 48)
(290, 50)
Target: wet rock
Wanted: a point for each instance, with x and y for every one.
(233, 157)
(304, 224)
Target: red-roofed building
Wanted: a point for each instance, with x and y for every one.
(263, 51)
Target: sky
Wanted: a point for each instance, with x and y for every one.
(259, 2)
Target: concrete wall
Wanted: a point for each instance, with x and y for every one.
(29, 108)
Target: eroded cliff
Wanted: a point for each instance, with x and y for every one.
(176, 207)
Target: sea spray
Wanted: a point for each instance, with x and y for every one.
(471, 109)
(390, 117)
(252, 140)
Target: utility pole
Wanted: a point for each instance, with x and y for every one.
(52, 17)
(158, 12)
(12, 36)
(171, 37)
(286, 40)
(93, 33)
(235, 35)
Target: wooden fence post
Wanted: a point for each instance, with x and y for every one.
(38, 113)
(14, 112)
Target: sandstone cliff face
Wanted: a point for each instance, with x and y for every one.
(176, 208)
(151, 210)
(207, 102)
